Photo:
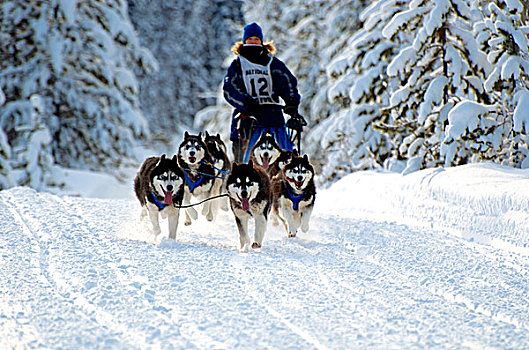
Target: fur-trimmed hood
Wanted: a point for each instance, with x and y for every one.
(268, 45)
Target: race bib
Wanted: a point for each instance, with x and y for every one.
(258, 81)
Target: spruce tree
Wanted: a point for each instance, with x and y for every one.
(190, 39)
(439, 67)
(75, 60)
(357, 87)
(500, 128)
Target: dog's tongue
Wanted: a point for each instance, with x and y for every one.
(245, 204)
(266, 163)
(168, 198)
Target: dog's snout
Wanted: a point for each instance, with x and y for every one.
(266, 154)
(244, 194)
(300, 178)
(192, 153)
(169, 188)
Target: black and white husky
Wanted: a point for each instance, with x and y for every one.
(250, 196)
(159, 186)
(294, 194)
(265, 153)
(195, 161)
(219, 158)
(283, 159)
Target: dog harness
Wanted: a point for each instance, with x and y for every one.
(192, 185)
(295, 200)
(160, 206)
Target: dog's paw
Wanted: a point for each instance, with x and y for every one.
(256, 245)
(291, 234)
(245, 248)
(210, 217)
(305, 228)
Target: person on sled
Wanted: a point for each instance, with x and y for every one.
(255, 83)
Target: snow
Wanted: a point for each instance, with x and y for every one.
(400, 62)
(521, 117)
(465, 116)
(69, 9)
(401, 19)
(438, 258)
(434, 95)
(433, 20)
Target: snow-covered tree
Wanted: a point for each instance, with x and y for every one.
(358, 88)
(5, 153)
(442, 65)
(190, 40)
(497, 131)
(67, 81)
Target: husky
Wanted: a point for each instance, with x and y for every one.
(283, 159)
(159, 186)
(265, 153)
(294, 194)
(221, 163)
(195, 161)
(250, 195)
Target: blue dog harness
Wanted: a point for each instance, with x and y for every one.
(295, 200)
(160, 206)
(192, 185)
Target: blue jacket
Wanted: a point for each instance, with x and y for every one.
(284, 86)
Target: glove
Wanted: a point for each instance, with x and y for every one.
(296, 123)
(251, 106)
(291, 110)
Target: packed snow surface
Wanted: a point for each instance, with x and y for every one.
(434, 259)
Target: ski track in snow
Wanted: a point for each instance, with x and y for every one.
(85, 273)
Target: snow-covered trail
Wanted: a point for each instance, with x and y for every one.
(78, 272)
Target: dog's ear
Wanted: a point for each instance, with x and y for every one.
(295, 154)
(186, 135)
(163, 157)
(250, 163)
(200, 135)
(207, 134)
(174, 159)
(234, 166)
(306, 158)
(218, 136)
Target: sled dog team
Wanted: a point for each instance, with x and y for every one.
(272, 180)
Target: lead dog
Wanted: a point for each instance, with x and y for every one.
(159, 186)
(294, 194)
(195, 161)
(250, 196)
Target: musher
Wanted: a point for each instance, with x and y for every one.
(255, 83)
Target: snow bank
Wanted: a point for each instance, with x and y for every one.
(486, 203)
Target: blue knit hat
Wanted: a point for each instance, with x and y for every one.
(252, 29)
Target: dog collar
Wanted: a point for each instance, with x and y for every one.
(295, 200)
(192, 185)
(160, 205)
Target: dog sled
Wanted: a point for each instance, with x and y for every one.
(249, 133)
